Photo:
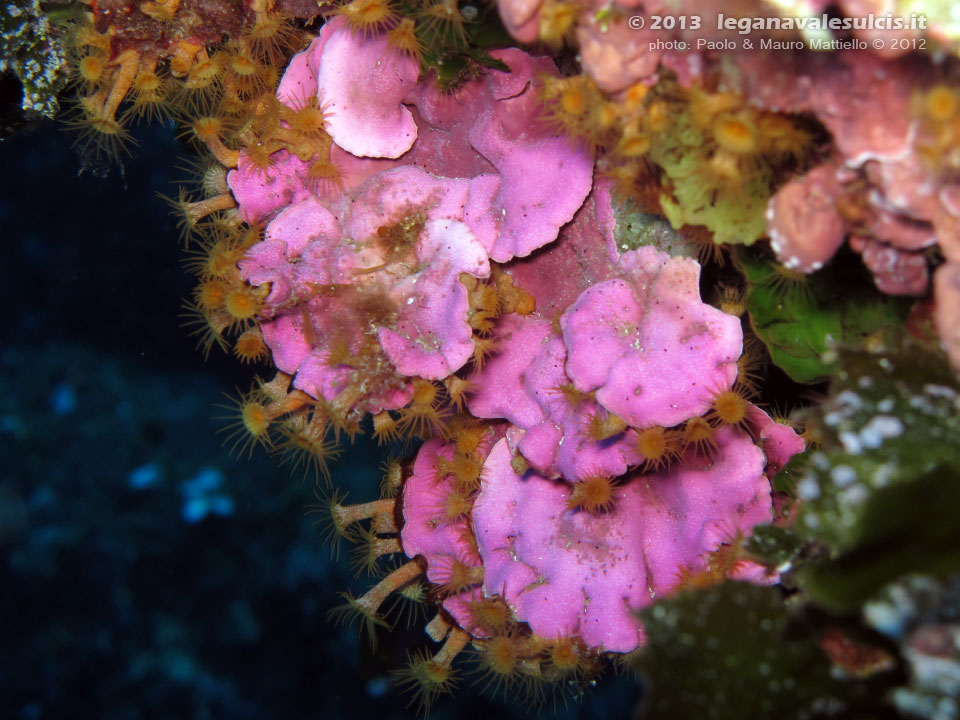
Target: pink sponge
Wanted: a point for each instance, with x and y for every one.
(568, 572)
(640, 346)
(431, 337)
(524, 384)
(651, 349)
(473, 176)
(779, 442)
(543, 179)
(262, 193)
(803, 222)
(322, 284)
(531, 180)
(427, 533)
(362, 83)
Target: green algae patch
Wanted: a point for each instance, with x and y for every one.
(878, 498)
(898, 530)
(733, 212)
(801, 318)
(737, 650)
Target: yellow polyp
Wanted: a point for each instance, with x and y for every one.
(593, 494)
(485, 298)
(633, 145)
(941, 103)
(565, 655)
(86, 36)
(205, 71)
(557, 21)
(749, 366)
(183, 56)
(425, 416)
(453, 576)
(657, 118)
(652, 442)
(729, 408)
(575, 107)
(307, 443)
(249, 346)
(273, 36)
(456, 504)
(457, 390)
(570, 395)
(368, 16)
(725, 165)
(511, 298)
(385, 429)
(404, 39)
(733, 301)
(391, 479)
(250, 423)
(309, 119)
(370, 548)
(149, 94)
(735, 134)
(491, 614)
(91, 70)
(605, 425)
(573, 100)
(100, 133)
(443, 21)
(211, 294)
(243, 303)
(634, 96)
(160, 10)
(501, 660)
(656, 445)
(705, 106)
(700, 436)
(207, 326)
(426, 678)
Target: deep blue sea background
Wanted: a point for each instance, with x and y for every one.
(145, 572)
